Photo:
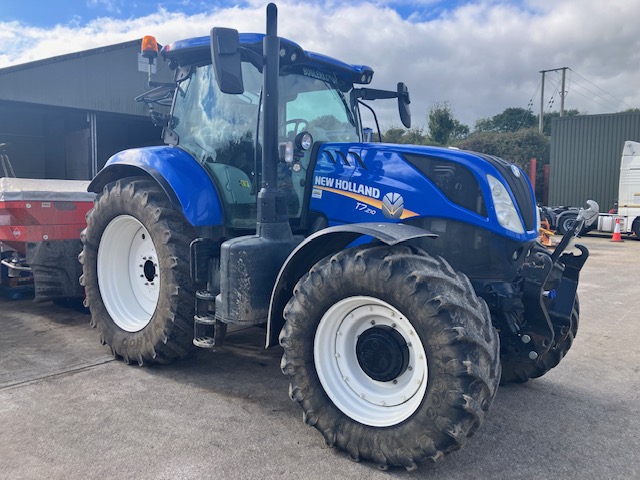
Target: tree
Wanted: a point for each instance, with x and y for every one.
(413, 136)
(518, 147)
(443, 126)
(510, 120)
(393, 135)
(327, 122)
(548, 117)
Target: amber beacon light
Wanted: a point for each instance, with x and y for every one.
(149, 48)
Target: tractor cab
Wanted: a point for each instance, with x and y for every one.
(220, 126)
(222, 132)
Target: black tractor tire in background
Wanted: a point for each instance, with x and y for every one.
(390, 354)
(566, 221)
(135, 262)
(518, 369)
(636, 227)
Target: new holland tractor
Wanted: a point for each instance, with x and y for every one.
(403, 283)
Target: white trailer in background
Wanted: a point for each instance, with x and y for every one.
(628, 195)
(628, 200)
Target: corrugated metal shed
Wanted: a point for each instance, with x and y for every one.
(103, 79)
(63, 117)
(585, 157)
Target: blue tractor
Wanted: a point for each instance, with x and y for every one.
(403, 283)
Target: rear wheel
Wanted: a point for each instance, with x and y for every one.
(390, 354)
(136, 273)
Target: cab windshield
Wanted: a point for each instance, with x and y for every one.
(220, 131)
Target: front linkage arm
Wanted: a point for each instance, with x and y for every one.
(549, 322)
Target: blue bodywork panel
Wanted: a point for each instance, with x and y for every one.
(351, 181)
(173, 168)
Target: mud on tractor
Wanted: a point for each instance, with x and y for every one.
(403, 283)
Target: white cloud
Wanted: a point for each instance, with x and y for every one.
(482, 57)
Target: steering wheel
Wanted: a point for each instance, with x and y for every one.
(299, 124)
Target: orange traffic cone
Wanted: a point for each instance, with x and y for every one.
(616, 232)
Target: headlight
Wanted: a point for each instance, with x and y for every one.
(304, 141)
(505, 209)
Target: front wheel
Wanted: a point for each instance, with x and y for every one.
(390, 354)
(517, 368)
(136, 272)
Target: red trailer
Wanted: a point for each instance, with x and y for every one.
(40, 223)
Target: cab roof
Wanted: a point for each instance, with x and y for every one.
(197, 51)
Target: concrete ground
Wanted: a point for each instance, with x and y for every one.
(69, 411)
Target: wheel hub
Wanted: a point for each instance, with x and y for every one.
(382, 353)
(149, 270)
(370, 361)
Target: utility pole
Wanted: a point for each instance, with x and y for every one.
(541, 118)
(562, 94)
(562, 91)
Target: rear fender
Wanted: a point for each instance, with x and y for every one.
(189, 188)
(319, 245)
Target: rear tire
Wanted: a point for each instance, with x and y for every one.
(136, 273)
(390, 354)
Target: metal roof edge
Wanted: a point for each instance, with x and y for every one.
(69, 56)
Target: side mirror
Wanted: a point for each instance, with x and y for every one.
(403, 104)
(225, 56)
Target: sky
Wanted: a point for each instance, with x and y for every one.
(478, 56)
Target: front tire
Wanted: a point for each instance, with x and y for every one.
(518, 369)
(390, 354)
(136, 273)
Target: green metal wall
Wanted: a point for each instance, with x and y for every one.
(585, 157)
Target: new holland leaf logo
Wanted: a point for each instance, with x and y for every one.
(392, 205)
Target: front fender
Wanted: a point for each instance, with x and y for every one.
(319, 245)
(183, 179)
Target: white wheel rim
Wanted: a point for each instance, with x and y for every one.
(128, 273)
(354, 392)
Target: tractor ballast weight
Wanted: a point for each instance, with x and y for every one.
(403, 282)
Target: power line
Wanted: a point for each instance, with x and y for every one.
(593, 95)
(620, 102)
(594, 100)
